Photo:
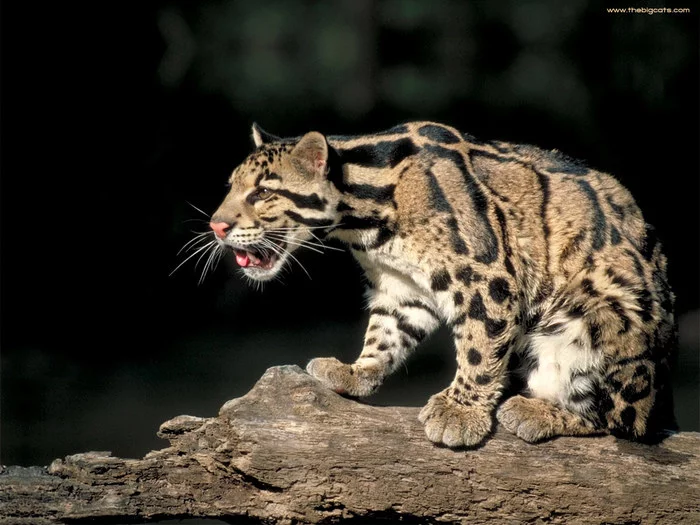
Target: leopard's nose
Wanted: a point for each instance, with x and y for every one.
(220, 228)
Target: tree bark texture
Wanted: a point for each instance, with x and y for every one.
(291, 451)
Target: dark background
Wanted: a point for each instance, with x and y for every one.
(115, 115)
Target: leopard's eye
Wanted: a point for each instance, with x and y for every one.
(259, 194)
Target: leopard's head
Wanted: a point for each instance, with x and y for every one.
(280, 199)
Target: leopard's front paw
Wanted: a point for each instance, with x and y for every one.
(345, 379)
(453, 424)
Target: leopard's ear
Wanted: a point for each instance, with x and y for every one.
(260, 136)
(310, 155)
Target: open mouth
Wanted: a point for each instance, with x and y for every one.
(252, 258)
(260, 258)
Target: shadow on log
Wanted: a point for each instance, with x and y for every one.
(292, 451)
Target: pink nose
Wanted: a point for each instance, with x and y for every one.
(220, 228)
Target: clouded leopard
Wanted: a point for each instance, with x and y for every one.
(544, 270)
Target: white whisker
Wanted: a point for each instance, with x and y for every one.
(316, 237)
(295, 243)
(290, 254)
(189, 245)
(199, 210)
(206, 264)
(268, 247)
(213, 256)
(307, 244)
(209, 246)
(219, 255)
(271, 246)
(302, 228)
(192, 255)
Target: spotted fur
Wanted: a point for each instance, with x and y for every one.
(543, 269)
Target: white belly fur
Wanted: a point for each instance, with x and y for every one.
(564, 363)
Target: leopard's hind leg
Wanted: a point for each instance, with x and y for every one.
(563, 375)
(637, 401)
(597, 363)
(631, 324)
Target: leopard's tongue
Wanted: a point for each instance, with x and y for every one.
(245, 258)
(242, 259)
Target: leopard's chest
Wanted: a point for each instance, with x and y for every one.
(395, 261)
(399, 272)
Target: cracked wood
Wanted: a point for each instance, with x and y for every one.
(291, 451)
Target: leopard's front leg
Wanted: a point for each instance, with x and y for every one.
(484, 329)
(397, 324)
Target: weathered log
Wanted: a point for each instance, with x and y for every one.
(292, 451)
